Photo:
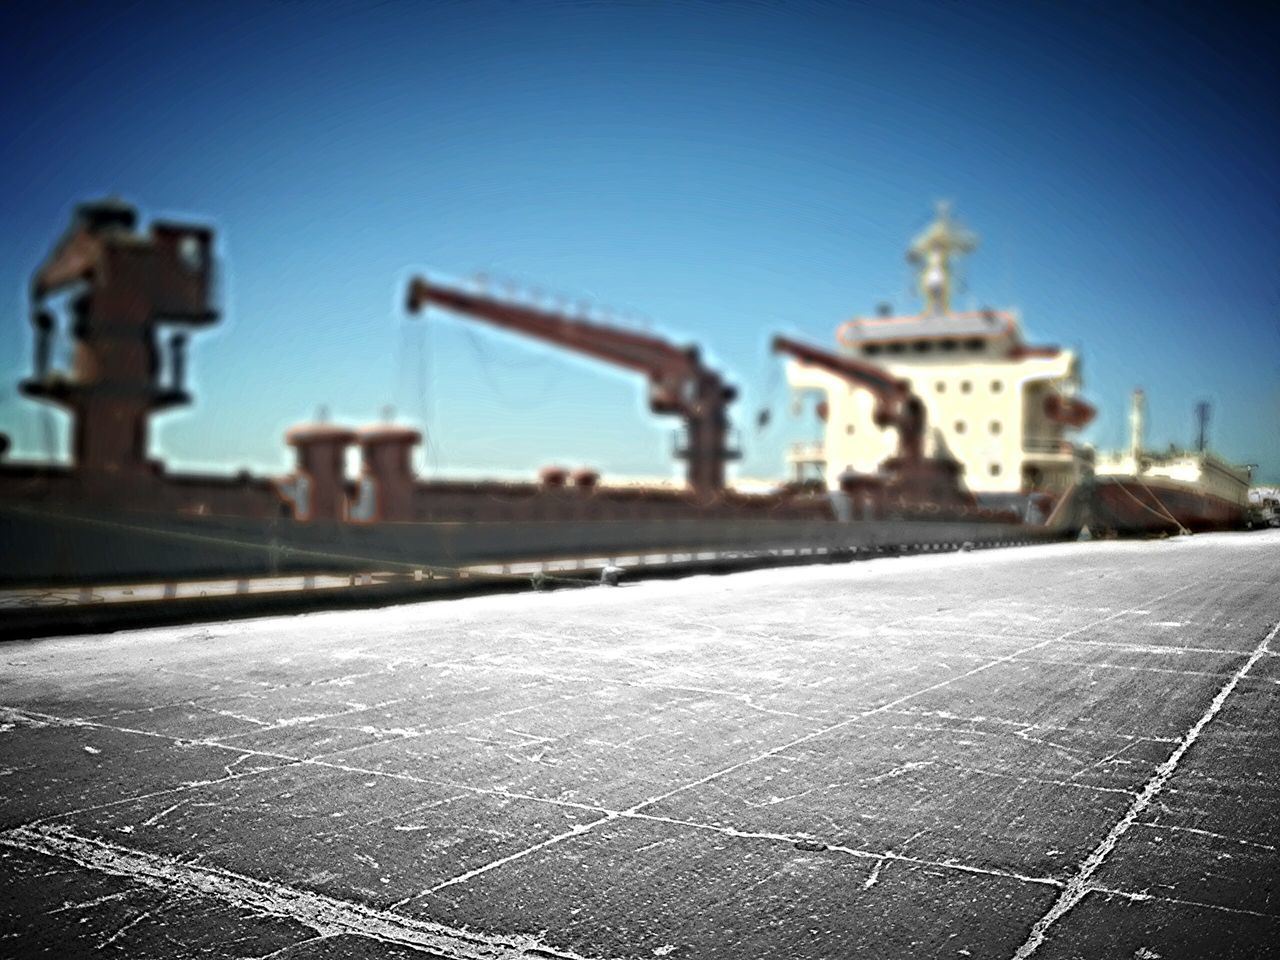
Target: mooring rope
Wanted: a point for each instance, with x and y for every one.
(1165, 515)
(1176, 522)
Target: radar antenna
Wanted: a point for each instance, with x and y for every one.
(932, 252)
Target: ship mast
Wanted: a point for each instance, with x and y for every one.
(931, 253)
(1137, 423)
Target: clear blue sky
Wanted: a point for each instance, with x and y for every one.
(726, 170)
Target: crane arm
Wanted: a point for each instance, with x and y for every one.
(885, 386)
(679, 383)
(896, 405)
(649, 355)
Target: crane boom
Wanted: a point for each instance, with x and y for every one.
(896, 405)
(678, 381)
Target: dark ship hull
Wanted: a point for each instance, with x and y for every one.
(55, 544)
(1146, 506)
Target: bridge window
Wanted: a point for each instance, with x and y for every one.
(922, 346)
(896, 347)
(871, 349)
(974, 345)
(947, 345)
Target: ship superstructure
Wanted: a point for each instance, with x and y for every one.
(1005, 410)
(1147, 491)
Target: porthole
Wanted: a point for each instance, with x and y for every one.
(996, 386)
(995, 427)
(960, 426)
(966, 386)
(995, 469)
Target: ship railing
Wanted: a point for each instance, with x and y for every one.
(807, 452)
(1056, 445)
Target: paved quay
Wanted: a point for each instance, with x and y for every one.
(1058, 752)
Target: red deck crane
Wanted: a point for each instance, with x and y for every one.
(913, 475)
(678, 382)
(124, 283)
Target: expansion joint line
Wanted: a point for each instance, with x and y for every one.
(327, 916)
(638, 809)
(1080, 885)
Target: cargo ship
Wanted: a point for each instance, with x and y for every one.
(1143, 492)
(129, 299)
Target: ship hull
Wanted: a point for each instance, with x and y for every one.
(46, 544)
(1152, 505)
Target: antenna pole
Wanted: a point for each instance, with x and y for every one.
(1202, 426)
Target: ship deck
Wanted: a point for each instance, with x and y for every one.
(1058, 751)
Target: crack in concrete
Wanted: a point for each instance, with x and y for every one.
(1023, 724)
(891, 704)
(1092, 788)
(1092, 664)
(874, 876)
(290, 947)
(899, 771)
(1021, 734)
(144, 915)
(153, 820)
(326, 915)
(1078, 887)
(636, 811)
(746, 699)
(1109, 758)
(36, 719)
(1156, 825)
(95, 902)
(1158, 648)
(1155, 898)
(579, 830)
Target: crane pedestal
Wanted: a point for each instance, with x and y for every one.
(131, 283)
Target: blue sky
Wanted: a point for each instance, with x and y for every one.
(718, 171)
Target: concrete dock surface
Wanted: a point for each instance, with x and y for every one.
(1062, 751)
